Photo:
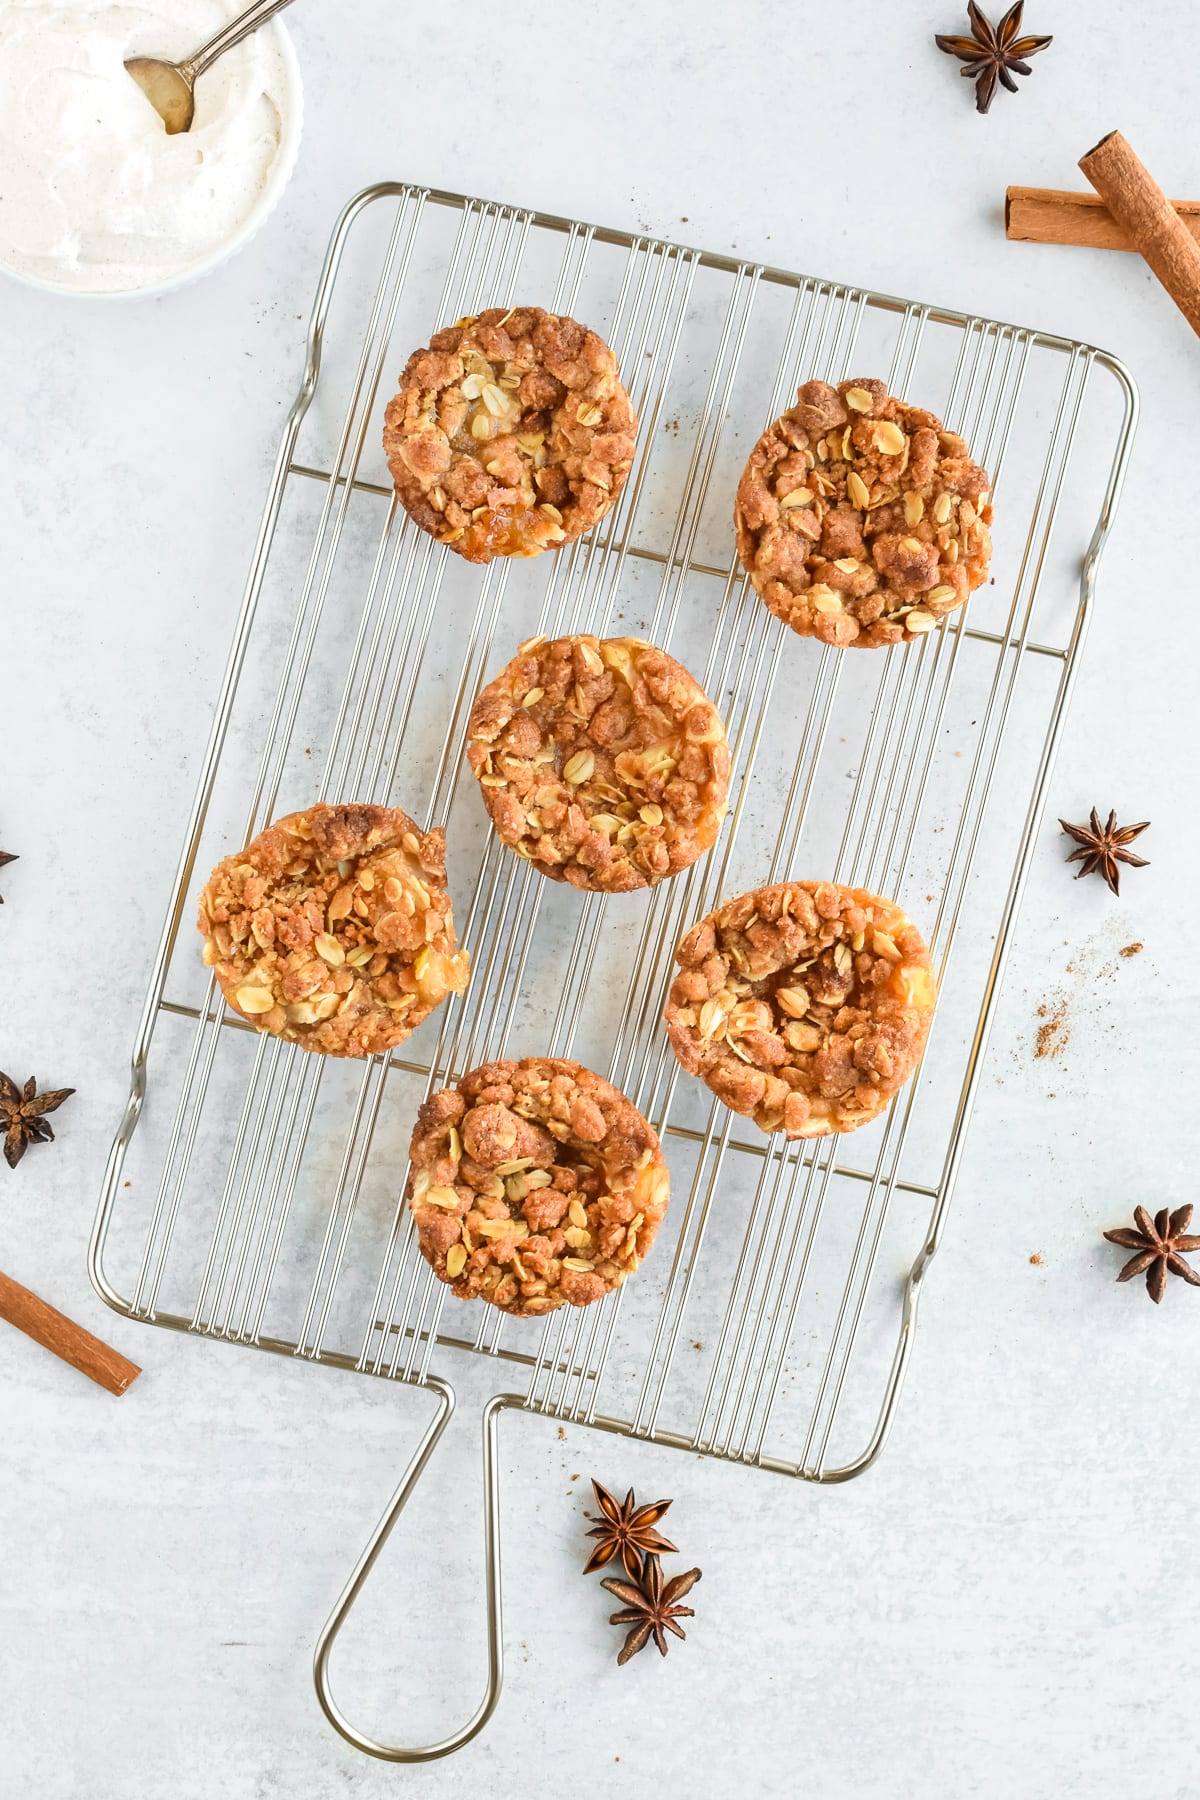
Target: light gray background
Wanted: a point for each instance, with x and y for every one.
(1008, 1602)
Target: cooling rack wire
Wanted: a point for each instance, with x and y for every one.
(254, 1193)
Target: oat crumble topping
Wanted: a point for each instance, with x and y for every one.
(803, 1005)
(601, 760)
(511, 433)
(859, 519)
(333, 929)
(535, 1185)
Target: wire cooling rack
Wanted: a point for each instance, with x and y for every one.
(260, 1200)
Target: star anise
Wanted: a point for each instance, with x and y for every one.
(6, 857)
(993, 52)
(626, 1529)
(651, 1607)
(1159, 1244)
(1102, 847)
(23, 1114)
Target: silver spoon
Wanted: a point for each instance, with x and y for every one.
(169, 87)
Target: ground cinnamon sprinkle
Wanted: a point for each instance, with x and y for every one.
(1053, 1034)
(1094, 966)
(1036, 1257)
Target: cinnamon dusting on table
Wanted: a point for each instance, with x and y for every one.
(1094, 965)
(1054, 1033)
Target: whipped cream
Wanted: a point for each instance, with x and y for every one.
(94, 196)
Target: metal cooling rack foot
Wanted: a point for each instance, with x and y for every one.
(366, 1562)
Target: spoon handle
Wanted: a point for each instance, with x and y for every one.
(233, 33)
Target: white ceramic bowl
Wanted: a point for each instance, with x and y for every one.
(292, 122)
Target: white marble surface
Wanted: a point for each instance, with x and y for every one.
(1008, 1603)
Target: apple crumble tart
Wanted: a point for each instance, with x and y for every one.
(535, 1185)
(333, 929)
(804, 1005)
(511, 433)
(859, 520)
(601, 761)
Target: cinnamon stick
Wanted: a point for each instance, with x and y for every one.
(1054, 216)
(54, 1331)
(1140, 207)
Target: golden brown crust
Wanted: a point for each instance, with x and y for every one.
(804, 1005)
(535, 1185)
(511, 433)
(859, 519)
(333, 929)
(601, 761)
